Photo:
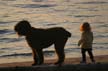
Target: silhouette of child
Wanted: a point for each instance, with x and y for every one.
(86, 42)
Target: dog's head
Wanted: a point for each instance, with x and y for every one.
(22, 27)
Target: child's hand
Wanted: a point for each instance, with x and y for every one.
(78, 44)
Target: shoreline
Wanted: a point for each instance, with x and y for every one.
(99, 59)
(70, 64)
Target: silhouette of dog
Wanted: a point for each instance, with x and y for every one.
(38, 39)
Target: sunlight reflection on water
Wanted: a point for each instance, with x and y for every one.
(53, 13)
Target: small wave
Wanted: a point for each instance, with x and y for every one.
(38, 0)
(50, 24)
(33, 5)
(89, 9)
(9, 40)
(5, 49)
(72, 50)
(101, 43)
(5, 31)
(87, 15)
(46, 53)
(22, 54)
(102, 36)
(103, 25)
(100, 46)
(98, 22)
(94, 2)
(4, 22)
(8, 0)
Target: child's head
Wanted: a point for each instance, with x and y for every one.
(85, 27)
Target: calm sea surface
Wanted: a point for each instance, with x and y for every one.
(52, 13)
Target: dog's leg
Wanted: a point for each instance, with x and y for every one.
(59, 47)
(35, 57)
(40, 56)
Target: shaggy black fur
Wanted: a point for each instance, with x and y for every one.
(38, 39)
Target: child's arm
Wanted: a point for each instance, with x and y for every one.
(79, 42)
(82, 40)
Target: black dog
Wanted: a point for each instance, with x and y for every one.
(42, 38)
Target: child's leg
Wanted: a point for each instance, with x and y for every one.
(91, 55)
(83, 51)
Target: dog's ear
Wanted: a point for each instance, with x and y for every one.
(22, 27)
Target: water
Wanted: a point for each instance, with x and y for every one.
(52, 13)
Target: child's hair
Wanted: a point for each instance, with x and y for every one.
(85, 27)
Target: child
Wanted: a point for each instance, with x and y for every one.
(86, 42)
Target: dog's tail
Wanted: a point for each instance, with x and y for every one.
(68, 33)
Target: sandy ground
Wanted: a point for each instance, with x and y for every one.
(69, 64)
(99, 59)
